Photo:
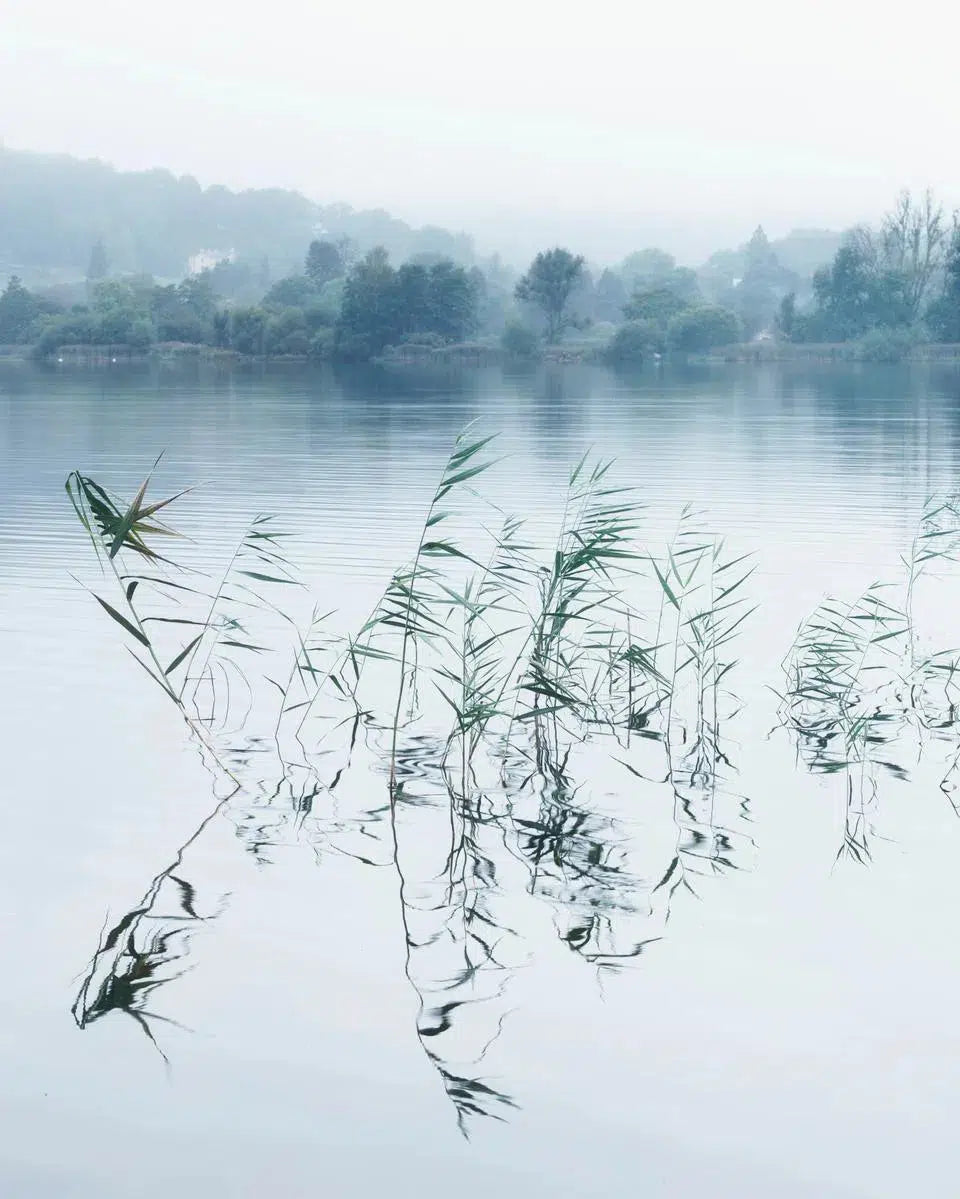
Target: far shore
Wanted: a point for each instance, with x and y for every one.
(483, 354)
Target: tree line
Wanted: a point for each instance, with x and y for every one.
(888, 288)
(885, 289)
(357, 310)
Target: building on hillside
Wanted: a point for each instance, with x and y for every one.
(205, 260)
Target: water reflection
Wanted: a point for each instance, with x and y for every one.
(473, 867)
(464, 864)
(521, 739)
(149, 946)
(862, 700)
(551, 669)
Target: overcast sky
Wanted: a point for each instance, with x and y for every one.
(602, 125)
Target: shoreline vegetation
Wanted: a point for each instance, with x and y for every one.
(888, 294)
(481, 354)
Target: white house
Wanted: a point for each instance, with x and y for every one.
(205, 260)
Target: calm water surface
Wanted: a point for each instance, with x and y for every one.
(789, 1027)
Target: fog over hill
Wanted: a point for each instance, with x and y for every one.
(54, 208)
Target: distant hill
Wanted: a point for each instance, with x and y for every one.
(54, 208)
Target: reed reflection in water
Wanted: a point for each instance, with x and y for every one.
(865, 696)
(516, 679)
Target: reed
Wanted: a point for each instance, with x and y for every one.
(857, 686)
(184, 635)
(475, 684)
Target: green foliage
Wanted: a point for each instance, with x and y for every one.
(787, 315)
(322, 343)
(661, 291)
(18, 312)
(853, 295)
(368, 318)
(296, 291)
(655, 270)
(77, 328)
(657, 304)
(886, 345)
(634, 341)
(134, 313)
(324, 262)
(703, 328)
(247, 331)
(286, 333)
(519, 341)
(451, 301)
(382, 306)
(882, 280)
(549, 285)
(184, 313)
(295, 319)
(610, 296)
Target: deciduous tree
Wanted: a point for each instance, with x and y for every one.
(548, 285)
(913, 240)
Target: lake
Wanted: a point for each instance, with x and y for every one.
(597, 969)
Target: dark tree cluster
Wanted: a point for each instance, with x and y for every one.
(383, 306)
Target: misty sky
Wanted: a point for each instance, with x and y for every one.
(605, 126)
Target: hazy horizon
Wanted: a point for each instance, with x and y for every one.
(517, 127)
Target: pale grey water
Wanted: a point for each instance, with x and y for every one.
(793, 1031)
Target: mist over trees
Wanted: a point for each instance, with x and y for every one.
(137, 260)
(897, 279)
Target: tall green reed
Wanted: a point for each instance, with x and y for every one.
(527, 657)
